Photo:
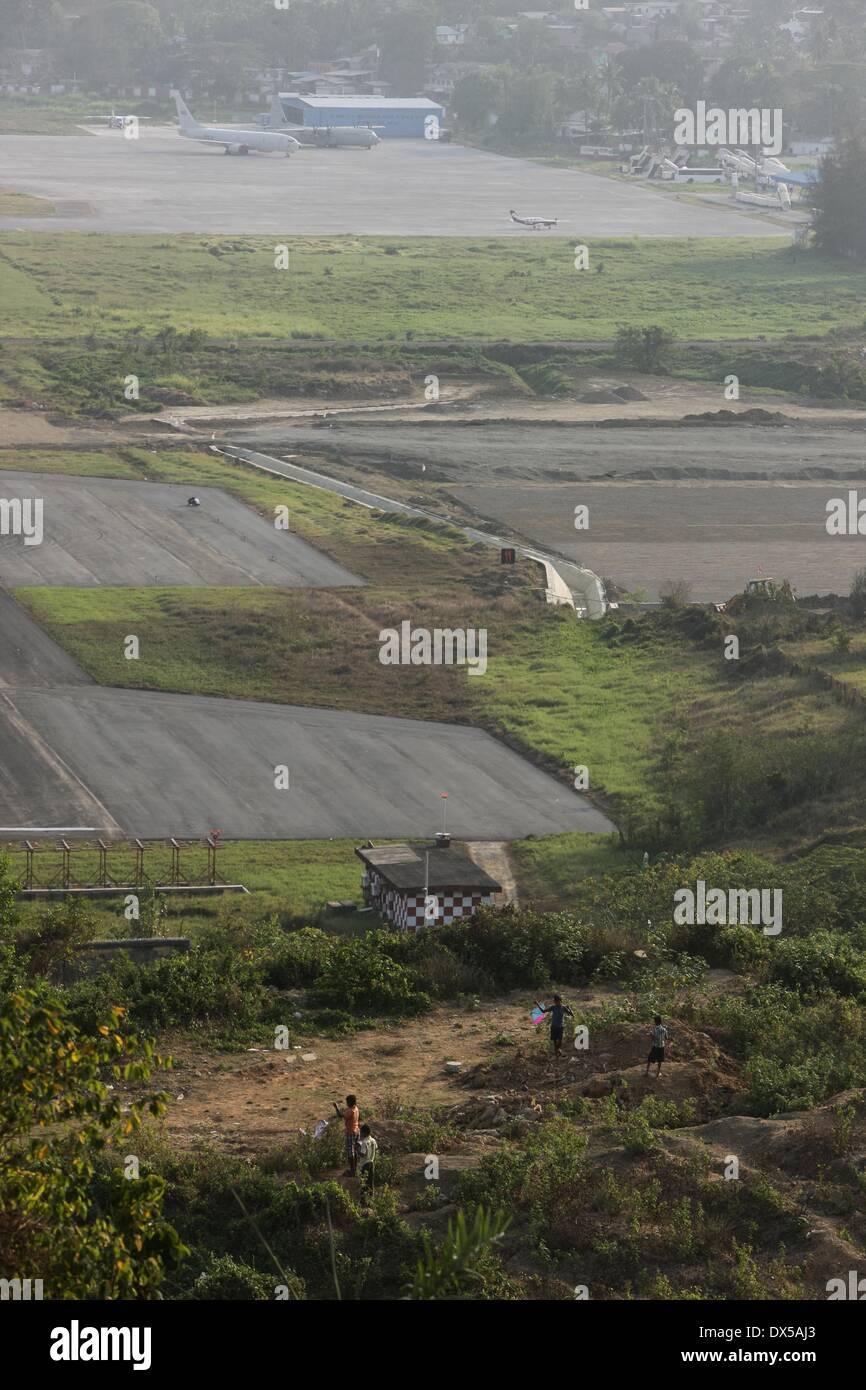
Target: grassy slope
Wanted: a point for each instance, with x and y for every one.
(849, 666)
(553, 685)
(354, 290)
(23, 205)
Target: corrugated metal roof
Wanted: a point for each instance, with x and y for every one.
(384, 103)
(404, 867)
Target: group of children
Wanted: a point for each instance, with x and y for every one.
(362, 1148)
(360, 1144)
(558, 1012)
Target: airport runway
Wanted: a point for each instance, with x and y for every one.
(163, 183)
(711, 505)
(139, 763)
(106, 531)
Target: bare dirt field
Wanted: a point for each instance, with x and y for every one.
(251, 1101)
(710, 504)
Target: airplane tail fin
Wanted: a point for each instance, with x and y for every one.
(184, 115)
(278, 115)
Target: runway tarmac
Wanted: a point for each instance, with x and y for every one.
(147, 764)
(109, 532)
(163, 183)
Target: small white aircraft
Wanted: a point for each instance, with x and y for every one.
(115, 122)
(536, 223)
(327, 137)
(233, 141)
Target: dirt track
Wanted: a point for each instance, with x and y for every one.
(713, 505)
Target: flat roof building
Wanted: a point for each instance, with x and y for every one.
(399, 879)
(391, 117)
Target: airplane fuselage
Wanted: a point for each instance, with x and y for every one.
(535, 224)
(243, 141)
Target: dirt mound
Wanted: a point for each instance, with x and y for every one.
(527, 1074)
(611, 395)
(755, 415)
(514, 1111)
(763, 661)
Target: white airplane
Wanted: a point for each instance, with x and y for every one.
(324, 137)
(116, 122)
(233, 141)
(536, 223)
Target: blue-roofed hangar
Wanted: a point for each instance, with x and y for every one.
(389, 116)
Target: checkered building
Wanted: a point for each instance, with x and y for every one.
(395, 878)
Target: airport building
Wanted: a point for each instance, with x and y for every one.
(390, 116)
(403, 881)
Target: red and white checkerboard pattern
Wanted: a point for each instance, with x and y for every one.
(405, 911)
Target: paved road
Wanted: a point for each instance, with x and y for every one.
(147, 764)
(181, 765)
(162, 183)
(106, 531)
(37, 787)
(29, 659)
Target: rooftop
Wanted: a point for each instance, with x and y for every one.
(414, 103)
(405, 868)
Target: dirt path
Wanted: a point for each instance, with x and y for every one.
(251, 1101)
(492, 856)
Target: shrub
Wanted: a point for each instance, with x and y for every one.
(298, 959)
(644, 349)
(820, 962)
(229, 1279)
(520, 948)
(181, 991)
(360, 977)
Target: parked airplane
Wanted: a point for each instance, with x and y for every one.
(233, 141)
(536, 223)
(323, 137)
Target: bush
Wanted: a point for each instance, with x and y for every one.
(520, 949)
(60, 930)
(360, 977)
(228, 1279)
(298, 959)
(818, 963)
(181, 991)
(644, 349)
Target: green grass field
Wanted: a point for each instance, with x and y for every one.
(848, 666)
(305, 873)
(352, 290)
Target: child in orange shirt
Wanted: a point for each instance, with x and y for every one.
(351, 1118)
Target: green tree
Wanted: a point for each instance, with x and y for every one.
(858, 593)
(84, 1228)
(405, 38)
(529, 106)
(120, 42)
(644, 349)
(474, 98)
(839, 200)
